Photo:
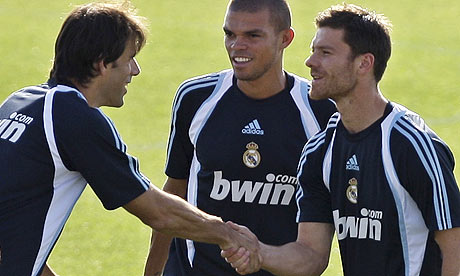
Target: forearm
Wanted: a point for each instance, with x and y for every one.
(180, 219)
(160, 243)
(293, 259)
(158, 254)
(172, 215)
(449, 243)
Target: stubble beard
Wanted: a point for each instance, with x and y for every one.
(335, 88)
(256, 73)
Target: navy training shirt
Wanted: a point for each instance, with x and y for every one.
(240, 157)
(51, 144)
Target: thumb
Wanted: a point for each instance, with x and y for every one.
(233, 225)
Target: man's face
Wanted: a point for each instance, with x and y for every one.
(119, 75)
(253, 45)
(332, 70)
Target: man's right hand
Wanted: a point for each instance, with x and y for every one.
(244, 254)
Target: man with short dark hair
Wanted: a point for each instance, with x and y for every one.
(54, 139)
(236, 137)
(378, 174)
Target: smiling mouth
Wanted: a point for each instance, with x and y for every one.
(241, 60)
(315, 76)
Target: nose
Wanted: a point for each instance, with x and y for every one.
(135, 68)
(309, 61)
(237, 43)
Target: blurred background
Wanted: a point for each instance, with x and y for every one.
(186, 40)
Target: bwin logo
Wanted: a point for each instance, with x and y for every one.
(367, 227)
(281, 193)
(12, 129)
(253, 128)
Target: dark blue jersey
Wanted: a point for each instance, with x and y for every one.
(386, 189)
(240, 157)
(51, 144)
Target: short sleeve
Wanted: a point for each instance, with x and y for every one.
(189, 97)
(89, 143)
(180, 148)
(433, 186)
(313, 197)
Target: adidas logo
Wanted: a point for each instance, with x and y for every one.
(253, 128)
(352, 164)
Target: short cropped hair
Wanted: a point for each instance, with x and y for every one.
(364, 31)
(279, 10)
(92, 33)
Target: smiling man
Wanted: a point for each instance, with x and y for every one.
(378, 175)
(236, 137)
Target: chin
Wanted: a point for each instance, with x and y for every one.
(115, 104)
(245, 77)
(317, 95)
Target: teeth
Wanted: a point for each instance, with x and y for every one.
(242, 59)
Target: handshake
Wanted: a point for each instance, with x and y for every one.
(244, 252)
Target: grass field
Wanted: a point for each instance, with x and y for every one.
(186, 40)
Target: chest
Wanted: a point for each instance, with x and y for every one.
(245, 134)
(358, 181)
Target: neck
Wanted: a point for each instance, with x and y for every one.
(361, 108)
(263, 87)
(88, 92)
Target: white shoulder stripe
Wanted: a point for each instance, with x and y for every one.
(176, 106)
(413, 238)
(427, 154)
(223, 83)
(187, 85)
(327, 163)
(299, 93)
(116, 136)
(199, 120)
(67, 186)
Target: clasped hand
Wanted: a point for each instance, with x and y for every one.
(245, 258)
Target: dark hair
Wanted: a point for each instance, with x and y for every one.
(364, 32)
(279, 10)
(91, 33)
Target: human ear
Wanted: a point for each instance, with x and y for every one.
(288, 36)
(366, 62)
(99, 67)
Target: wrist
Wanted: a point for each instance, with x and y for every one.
(226, 238)
(264, 255)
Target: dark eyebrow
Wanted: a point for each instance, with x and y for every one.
(254, 31)
(322, 48)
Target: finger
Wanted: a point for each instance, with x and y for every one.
(228, 252)
(241, 253)
(243, 268)
(240, 262)
(233, 225)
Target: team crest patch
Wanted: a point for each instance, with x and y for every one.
(251, 157)
(352, 190)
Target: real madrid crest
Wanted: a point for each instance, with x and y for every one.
(251, 157)
(352, 190)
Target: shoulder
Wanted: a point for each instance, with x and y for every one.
(71, 102)
(410, 132)
(204, 84)
(321, 140)
(71, 110)
(193, 92)
(27, 95)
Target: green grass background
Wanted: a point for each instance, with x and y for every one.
(186, 40)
